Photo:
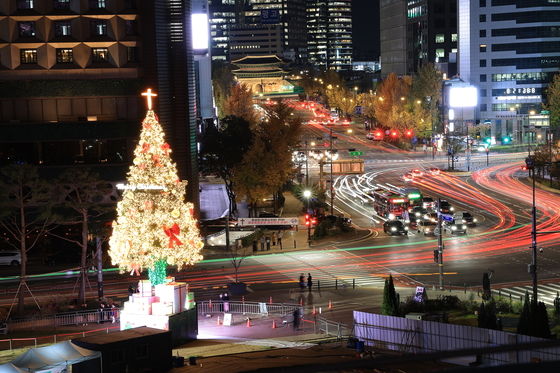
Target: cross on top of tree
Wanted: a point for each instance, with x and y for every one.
(148, 94)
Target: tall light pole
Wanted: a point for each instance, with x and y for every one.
(331, 186)
(307, 194)
(306, 164)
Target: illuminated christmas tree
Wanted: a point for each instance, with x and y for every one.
(155, 225)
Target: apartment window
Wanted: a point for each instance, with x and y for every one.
(483, 93)
(99, 27)
(131, 27)
(440, 38)
(483, 107)
(97, 4)
(62, 28)
(100, 55)
(132, 54)
(454, 38)
(64, 56)
(482, 63)
(28, 56)
(61, 4)
(482, 47)
(482, 18)
(482, 3)
(482, 33)
(25, 4)
(440, 53)
(482, 78)
(26, 28)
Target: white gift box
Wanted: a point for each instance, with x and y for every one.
(160, 309)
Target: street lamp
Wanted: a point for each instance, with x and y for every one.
(307, 195)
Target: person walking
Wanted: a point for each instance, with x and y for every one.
(296, 319)
(273, 238)
(309, 281)
(301, 282)
(267, 243)
(262, 243)
(280, 234)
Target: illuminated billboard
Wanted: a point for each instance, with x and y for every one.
(463, 97)
(200, 31)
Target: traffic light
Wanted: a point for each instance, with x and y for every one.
(436, 256)
(307, 220)
(506, 140)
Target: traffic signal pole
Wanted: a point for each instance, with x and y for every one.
(534, 241)
(440, 246)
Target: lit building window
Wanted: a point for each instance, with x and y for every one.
(62, 28)
(64, 56)
(440, 38)
(28, 56)
(97, 4)
(453, 37)
(26, 28)
(100, 55)
(482, 47)
(440, 53)
(25, 4)
(61, 4)
(99, 27)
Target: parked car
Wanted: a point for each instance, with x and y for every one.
(10, 258)
(335, 219)
(395, 227)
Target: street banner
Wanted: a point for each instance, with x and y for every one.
(267, 221)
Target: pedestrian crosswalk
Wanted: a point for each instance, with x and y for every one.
(547, 292)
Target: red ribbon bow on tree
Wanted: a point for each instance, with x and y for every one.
(166, 148)
(145, 147)
(172, 233)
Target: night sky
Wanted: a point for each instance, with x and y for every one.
(365, 35)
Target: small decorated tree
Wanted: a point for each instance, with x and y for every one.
(155, 225)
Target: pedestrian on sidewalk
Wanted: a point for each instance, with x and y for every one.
(296, 319)
(267, 243)
(254, 246)
(280, 234)
(309, 281)
(273, 238)
(301, 282)
(262, 243)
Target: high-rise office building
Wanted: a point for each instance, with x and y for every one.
(71, 75)
(414, 32)
(431, 35)
(510, 50)
(222, 17)
(329, 28)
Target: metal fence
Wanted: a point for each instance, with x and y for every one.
(249, 308)
(66, 319)
(418, 336)
(333, 328)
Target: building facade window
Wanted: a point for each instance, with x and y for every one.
(99, 27)
(64, 56)
(454, 38)
(132, 54)
(62, 28)
(482, 78)
(440, 53)
(482, 48)
(482, 63)
(483, 93)
(483, 107)
(97, 4)
(100, 55)
(26, 29)
(482, 3)
(482, 33)
(28, 56)
(61, 4)
(482, 18)
(440, 38)
(25, 4)
(131, 27)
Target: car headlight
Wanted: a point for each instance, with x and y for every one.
(405, 228)
(417, 214)
(407, 221)
(426, 217)
(391, 216)
(474, 220)
(453, 228)
(393, 229)
(464, 226)
(463, 221)
(452, 209)
(427, 230)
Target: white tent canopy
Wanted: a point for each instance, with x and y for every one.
(51, 357)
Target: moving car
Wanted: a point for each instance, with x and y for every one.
(428, 203)
(395, 227)
(427, 227)
(408, 176)
(417, 212)
(434, 171)
(445, 207)
(455, 227)
(465, 217)
(10, 258)
(417, 173)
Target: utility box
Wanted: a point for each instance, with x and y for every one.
(415, 316)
